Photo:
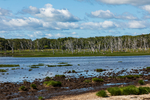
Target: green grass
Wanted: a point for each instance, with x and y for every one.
(30, 69)
(97, 80)
(3, 70)
(101, 93)
(2, 65)
(128, 90)
(51, 65)
(64, 65)
(33, 86)
(99, 70)
(40, 98)
(141, 82)
(22, 88)
(60, 76)
(58, 53)
(128, 76)
(34, 67)
(147, 67)
(52, 83)
(87, 81)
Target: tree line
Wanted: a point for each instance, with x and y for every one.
(93, 44)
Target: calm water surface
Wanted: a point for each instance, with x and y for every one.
(86, 63)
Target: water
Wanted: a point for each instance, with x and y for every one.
(86, 63)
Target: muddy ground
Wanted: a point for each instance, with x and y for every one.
(70, 86)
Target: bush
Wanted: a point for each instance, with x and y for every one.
(144, 90)
(33, 86)
(130, 90)
(47, 78)
(52, 83)
(22, 88)
(97, 80)
(99, 70)
(87, 81)
(101, 93)
(114, 91)
(141, 82)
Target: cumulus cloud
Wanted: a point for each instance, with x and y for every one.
(147, 8)
(119, 2)
(108, 15)
(73, 33)
(137, 24)
(4, 12)
(49, 13)
(100, 25)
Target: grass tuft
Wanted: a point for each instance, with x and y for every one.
(3, 70)
(22, 88)
(52, 83)
(101, 93)
(141, 82)
(87, 81)
(1, 65)
(33, 86)
(99, 70)
(97, 80)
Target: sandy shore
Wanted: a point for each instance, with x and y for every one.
(92, 96)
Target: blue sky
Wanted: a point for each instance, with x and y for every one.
(33, 19)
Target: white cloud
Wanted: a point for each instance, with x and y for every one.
(147, 8)
(137, 24)
(131, 2)
(59, 35)
(73, 33)
(100, 25)
(108, 15)
(48, 35)
(49, 13)
(4, 12)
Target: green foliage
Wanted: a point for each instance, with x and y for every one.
(47, 78)
(60, 76)
(52, 83)
(114, 91)
(33, 86)
(3, 70)
(144, 90)
(128, 76)
(130, 90)
(141, 82)
(99, 70)
(40, 98)
(97, 80)
(101, 93)
(121, 77)
(1, 65)
(22, 88)
(147, 67)
(87, 81)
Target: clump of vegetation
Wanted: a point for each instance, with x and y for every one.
(128, 90)
(33, 86)
(128, 76)
(40, 98)
(97, 80)
(63, 63)
(147, 67)
(101, 93)
(144, 90)
(3, 73)
(30, 69)
(52, 83)
(13, 69)
(141, 82)
(114, 91)
(87, 81)
(22, 88)
(99, 70)
(3, 70)
(1, 65)
(121, 77)
(78, 64)
(47, 78)
(60, 76)
(34, 67)
(73, 71)
(51, 65)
